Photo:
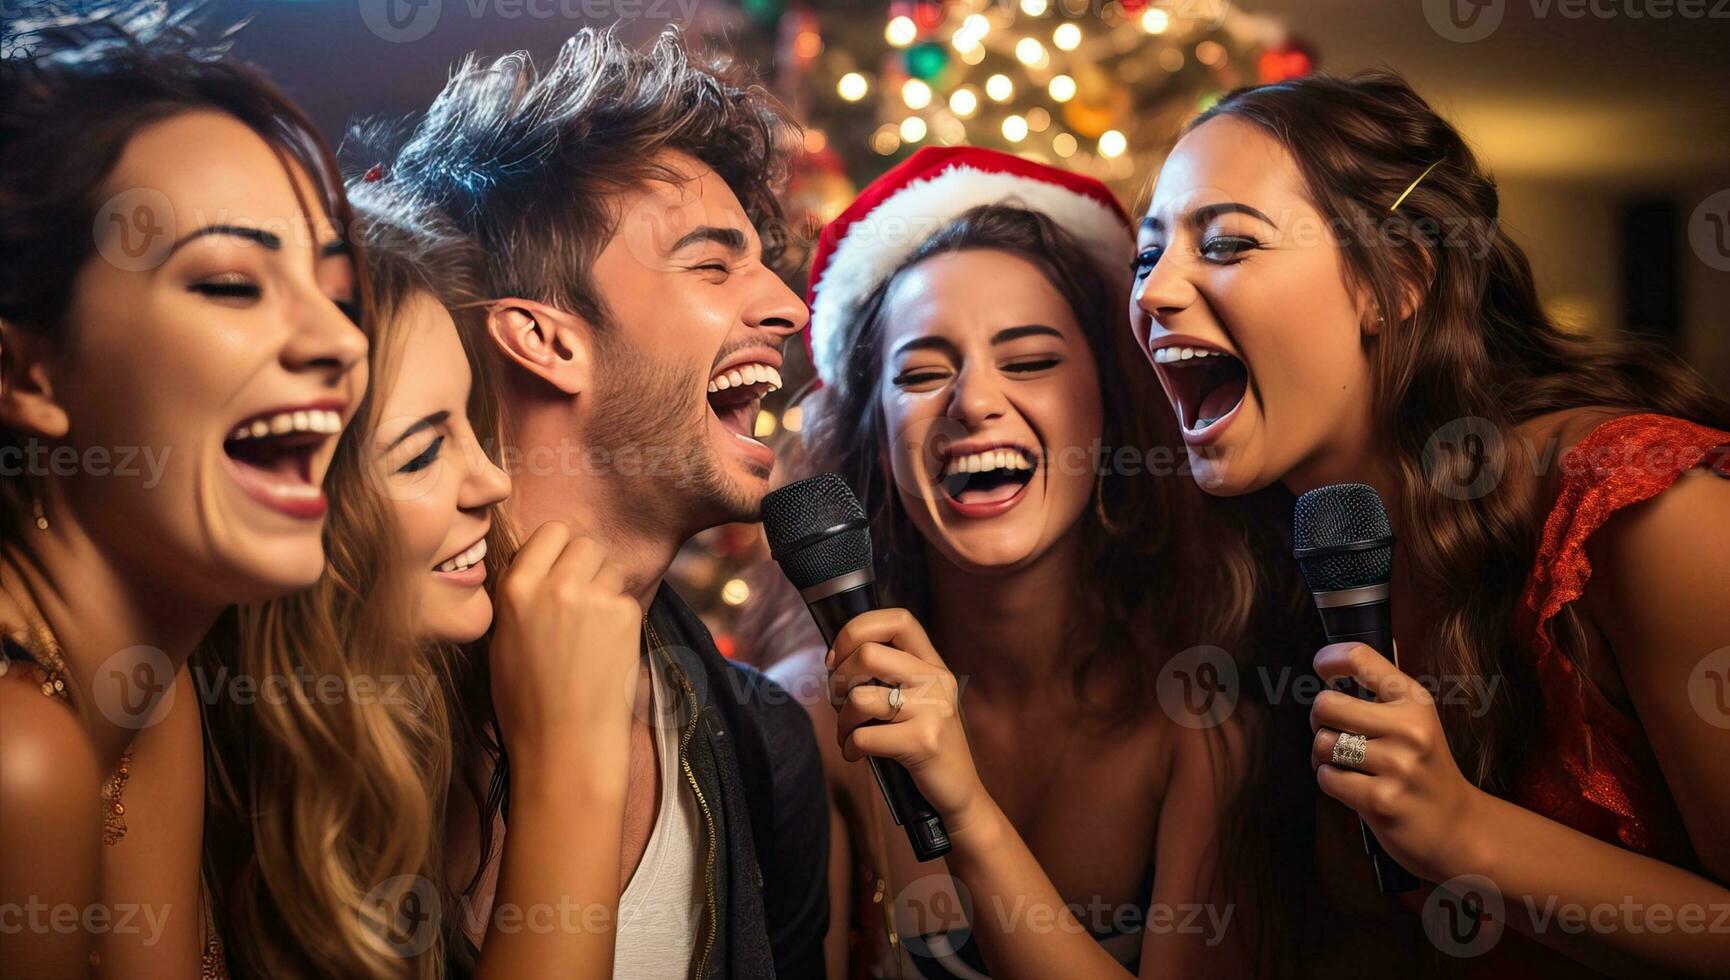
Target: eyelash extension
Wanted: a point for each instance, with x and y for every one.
(1141, 265)
(425, 459)
(917, 378)
(1030, 366)
(230, 289)
(1147, 258)
(1244, 244)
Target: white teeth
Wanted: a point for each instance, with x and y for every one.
(747, 374)
(284, 423)
(1167, 355)
(468, 559)
(997, 459)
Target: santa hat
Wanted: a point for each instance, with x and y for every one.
(891, 218)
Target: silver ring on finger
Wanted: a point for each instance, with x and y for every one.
(894, 702)
(1348, 750)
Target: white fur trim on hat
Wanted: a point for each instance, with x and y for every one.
(876, 244)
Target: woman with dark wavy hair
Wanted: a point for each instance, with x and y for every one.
(1054, 588)
(1326, 294)
(179, 350)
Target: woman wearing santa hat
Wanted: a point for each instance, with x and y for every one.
(1042, 549)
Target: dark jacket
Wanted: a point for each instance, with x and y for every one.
(752, 759)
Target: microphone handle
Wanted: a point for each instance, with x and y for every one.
(925, 830)
(1370, 623)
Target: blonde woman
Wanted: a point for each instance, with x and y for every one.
(332, 852)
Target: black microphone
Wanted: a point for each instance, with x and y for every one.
(818, 534)
(1345, 548)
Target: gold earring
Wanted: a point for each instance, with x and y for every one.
(1111, 529)
(36, 510)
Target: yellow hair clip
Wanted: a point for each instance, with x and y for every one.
(1413, 185)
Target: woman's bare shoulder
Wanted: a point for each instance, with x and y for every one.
(50, 789)
(44, 749)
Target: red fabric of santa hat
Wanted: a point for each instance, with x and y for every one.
(901, 209)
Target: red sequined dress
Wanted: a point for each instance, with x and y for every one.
(1592, 768)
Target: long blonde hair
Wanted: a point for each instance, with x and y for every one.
(325, 841)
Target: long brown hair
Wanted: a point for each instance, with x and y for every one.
(1152, 581)
(1475, 344)
(333, 813)
(1135, 563)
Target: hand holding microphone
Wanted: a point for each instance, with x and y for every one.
(1381, 752)
(1345, 548)
(914, 720)
(818, 534)
(1407, 788)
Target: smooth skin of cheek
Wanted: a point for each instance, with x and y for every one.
(1271, 292)
(440, 482)
(162, 363)
(980, 348)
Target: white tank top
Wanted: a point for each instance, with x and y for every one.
(662, 905)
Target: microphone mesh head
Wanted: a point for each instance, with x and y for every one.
(812, 505)
(1338, 516)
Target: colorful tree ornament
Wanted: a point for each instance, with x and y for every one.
(1290, 59)
(926, 60)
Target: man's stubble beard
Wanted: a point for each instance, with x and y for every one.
(650, 411)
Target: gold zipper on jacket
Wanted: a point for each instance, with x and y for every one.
(702, 804)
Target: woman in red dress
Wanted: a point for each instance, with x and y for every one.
(1323, 288)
